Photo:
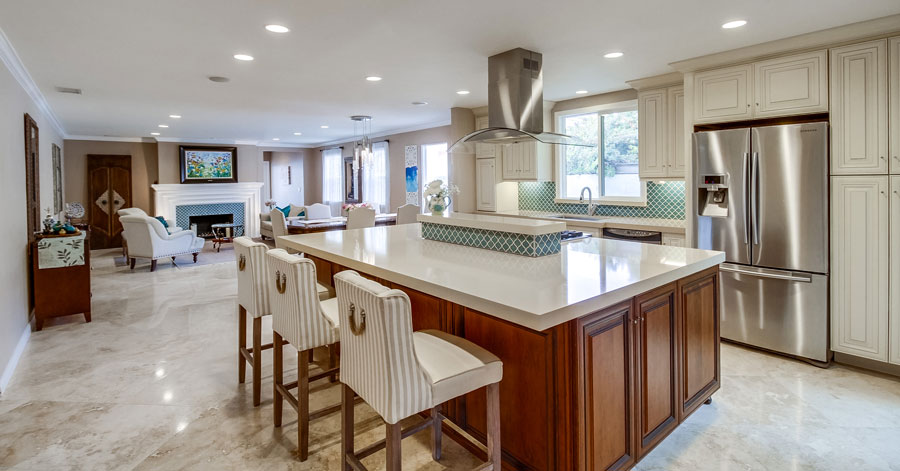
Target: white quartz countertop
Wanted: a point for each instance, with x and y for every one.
(538, 293)
(671, 226)
(516, 225)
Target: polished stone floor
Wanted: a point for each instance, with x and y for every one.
(152, 384)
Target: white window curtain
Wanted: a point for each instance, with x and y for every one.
(375, 178)
(332, 188)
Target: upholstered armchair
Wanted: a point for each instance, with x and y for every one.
(265, 226)
(147, 238)
(140, 212)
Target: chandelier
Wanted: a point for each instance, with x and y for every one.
(362, 150)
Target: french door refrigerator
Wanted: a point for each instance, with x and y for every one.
(762, 198)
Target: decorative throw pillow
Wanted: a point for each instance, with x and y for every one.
(286, 210)
(162, 220)
(298, 212)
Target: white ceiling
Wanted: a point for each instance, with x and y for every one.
(140, 61)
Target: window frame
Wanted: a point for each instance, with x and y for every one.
(558, 118)
(423, 171)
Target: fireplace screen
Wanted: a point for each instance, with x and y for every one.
(205, 222)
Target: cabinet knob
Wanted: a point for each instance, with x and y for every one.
(882, 157)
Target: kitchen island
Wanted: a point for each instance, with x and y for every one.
(607, 346)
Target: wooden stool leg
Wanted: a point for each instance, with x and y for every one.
(303, 405)
(436, 433)
(312, 357)
(242, 343)
(346, 426)
(257, 359)
(332, 361)
(392, 447)
(278, 353)
(493, 425)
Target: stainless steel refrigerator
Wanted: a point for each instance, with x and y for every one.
(762, 198)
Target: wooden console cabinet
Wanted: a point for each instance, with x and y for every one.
(595, 393)
(61, 291)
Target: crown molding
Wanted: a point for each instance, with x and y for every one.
(14, 64)
(391, 132)
(657, 81)
(826, 38)
(79, 137)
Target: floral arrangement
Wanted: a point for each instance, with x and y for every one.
(437, 195)
(270, 203)
(347, 207)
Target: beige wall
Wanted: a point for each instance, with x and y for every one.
(594, 100)
(14, 311)
(462, 165)
(282, 192)
(397, 173)
(144, 169)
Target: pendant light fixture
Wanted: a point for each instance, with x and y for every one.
(362, 151)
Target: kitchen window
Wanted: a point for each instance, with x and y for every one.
(610, 169)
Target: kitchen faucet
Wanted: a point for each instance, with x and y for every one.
(590, 207)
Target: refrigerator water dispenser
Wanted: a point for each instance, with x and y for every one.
(712, 193)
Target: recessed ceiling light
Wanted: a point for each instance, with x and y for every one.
(420, 103)
(163, 125)
(154, 134)
(580, 92)
(613, 55)
(175, 116)
(243, 57)
(298, 133)
(734, 24)
(373, 78)
(462, 92)
(276, 138)
(277, 28)
(324, 126)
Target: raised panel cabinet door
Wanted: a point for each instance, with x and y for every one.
(606, 390)
(675, 132)
(859, 266)
(895, 271)
(698, 331)
(653, 151)
(656, 355)
(791, 85)
(528, 160)
(894, 79)
(723, 94)
(486, 185)
(859, 109)
(512, 161)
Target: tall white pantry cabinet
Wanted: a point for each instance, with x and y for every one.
(865, 199)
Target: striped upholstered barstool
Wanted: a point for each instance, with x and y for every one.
(300, 318)
(253, 297)
(400, 373)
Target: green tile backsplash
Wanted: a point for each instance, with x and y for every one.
(665, 201)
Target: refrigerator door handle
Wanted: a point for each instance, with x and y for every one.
(775, 274)
(754, 197)
(746, 182)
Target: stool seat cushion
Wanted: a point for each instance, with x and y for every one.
(323, 291)
(455, 366)
(330, 311)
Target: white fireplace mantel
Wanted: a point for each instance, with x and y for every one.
(167, 196)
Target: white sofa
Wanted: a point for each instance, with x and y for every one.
(147, 238)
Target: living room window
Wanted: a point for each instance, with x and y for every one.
(375, 178)
(332, 178)
(610, 169)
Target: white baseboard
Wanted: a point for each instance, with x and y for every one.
(14, 359)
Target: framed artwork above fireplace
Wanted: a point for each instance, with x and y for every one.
(208, 164)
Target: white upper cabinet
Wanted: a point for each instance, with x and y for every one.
(791, 85)
(723, 94)
(859, 266)
(894, 78)
(661, 133)
(859, 108)
(484, 151)
(527, 161)
(653, 148)
(895, 271)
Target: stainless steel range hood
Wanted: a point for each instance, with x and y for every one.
(515, 104)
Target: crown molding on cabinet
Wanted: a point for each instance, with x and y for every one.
(11, 59)
(826, 38)
(657, 81)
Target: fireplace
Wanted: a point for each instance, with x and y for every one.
(179, 202)
(204, 223)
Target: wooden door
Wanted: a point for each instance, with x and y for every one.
(486, 185)
(859, 111)
(109, 189)
(698, 337)
(606, 390)
(652, 160)
(895, 271)
(859, 266)
(894, 79)
(791, 85)
(722, 95)
(32, 177)
(675, 131)
(655, 360)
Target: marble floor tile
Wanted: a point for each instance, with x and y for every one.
(151, 384)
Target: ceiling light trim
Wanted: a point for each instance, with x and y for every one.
(17, 69)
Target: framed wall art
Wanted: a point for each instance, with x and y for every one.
(207, 164)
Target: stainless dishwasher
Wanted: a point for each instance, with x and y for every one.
(646, 237)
